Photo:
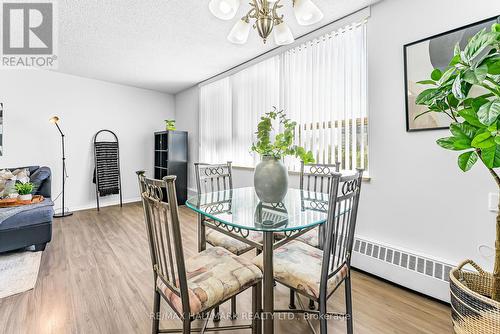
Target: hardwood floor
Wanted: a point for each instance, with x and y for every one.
(95, 277)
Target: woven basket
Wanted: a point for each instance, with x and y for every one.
(473, 312)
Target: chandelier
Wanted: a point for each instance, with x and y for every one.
(267, 19)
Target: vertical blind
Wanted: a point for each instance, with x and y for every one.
(321, 84)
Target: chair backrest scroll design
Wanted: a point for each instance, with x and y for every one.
(317, 177)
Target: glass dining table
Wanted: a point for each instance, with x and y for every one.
(235, 212)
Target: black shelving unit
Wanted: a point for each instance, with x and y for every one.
(171, 158)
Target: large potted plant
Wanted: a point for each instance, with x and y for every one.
(468, 92)
(271, 176)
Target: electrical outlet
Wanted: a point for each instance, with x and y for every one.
(493, 202)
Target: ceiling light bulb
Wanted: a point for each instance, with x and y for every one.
(307, 17)
(239, 33)
(282, 34)
(224, 9)
(306, 12)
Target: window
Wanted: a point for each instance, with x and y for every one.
(321, 84)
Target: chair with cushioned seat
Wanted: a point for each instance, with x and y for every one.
(317, 273)
(213, 178)
(314, 179)
(195, 286)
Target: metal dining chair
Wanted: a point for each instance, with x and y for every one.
(195, 286)
(315, 273)
(215, 178)
(314, 179)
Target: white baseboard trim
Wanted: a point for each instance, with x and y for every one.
(104, 204)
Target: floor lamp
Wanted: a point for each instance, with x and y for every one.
(55, 120)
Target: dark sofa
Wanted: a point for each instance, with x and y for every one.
(33, 227)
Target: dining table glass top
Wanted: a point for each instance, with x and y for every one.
(241, 208)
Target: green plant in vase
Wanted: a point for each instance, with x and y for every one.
(25, 190)
(468, 92)
(170, 124)
(283, 142)
(271, 176)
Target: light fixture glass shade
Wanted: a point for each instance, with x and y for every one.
(239, 33)
(307, 12)
(54, 119)
(282, 34)
(224, 9)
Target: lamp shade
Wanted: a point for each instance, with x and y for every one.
(224, 9)
(239, 33)
(307, 12)
(282, 34)
(54, 119)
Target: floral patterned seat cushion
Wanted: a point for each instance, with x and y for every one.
(218, 239)
(213, 276)
(310, 238)
(298, 265)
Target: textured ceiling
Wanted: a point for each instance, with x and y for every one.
(162, 45)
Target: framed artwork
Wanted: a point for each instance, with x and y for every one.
(1, 129)
(420, 58)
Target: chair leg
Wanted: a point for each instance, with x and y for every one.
(348, 303)
(217, 314)
(202, 242)
(312, 306)
(186, 326)
(234, 314)
(323, 325)
(156, 313)
(292, 305)
(256, 308)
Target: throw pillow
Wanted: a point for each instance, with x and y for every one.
(9, 178)
(22, 175)
(38, 177)
(7, 181)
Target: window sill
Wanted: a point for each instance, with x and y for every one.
(365, 178)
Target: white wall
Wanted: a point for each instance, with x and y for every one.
(187, 119)
(418, 200)
(85, 106)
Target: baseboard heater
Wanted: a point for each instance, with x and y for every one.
(416, 272)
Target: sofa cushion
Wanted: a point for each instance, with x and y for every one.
(7, 181)
(32, 217)
(22, 175)
(39, 177)
(9, 177)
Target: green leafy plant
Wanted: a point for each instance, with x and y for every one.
(24, 188)
(283, 142)
(170, 124)
(468, 92)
